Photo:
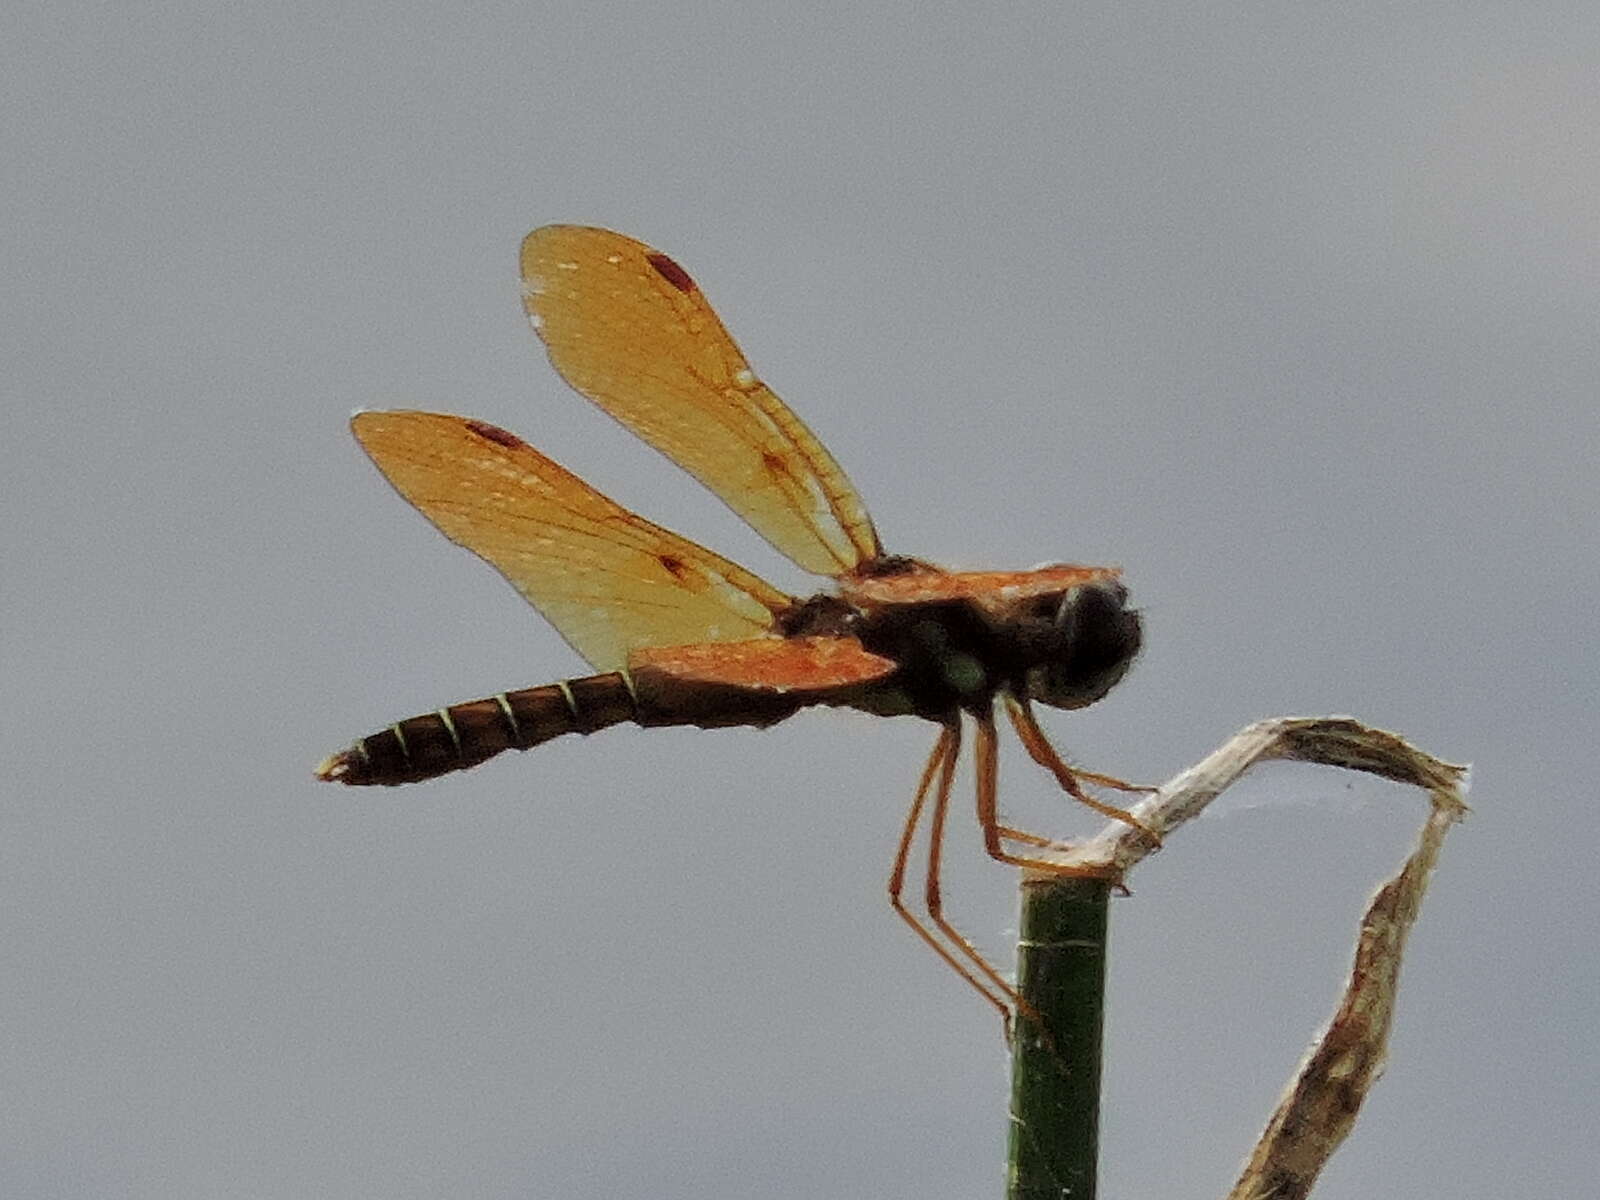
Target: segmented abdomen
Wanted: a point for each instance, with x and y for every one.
(464, 735)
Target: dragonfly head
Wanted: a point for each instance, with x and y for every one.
(1092, 640)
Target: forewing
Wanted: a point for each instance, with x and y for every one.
(800, 664)
(607, 579)
(931, 586)
(628, 328)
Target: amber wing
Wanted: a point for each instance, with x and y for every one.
(607, 579)
(799, 664)
(628, 328)
(926, 585)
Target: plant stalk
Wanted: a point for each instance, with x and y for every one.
(1055, 1047)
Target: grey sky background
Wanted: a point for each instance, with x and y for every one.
(1290, 310)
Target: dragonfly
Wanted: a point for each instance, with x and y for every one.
(678, 635)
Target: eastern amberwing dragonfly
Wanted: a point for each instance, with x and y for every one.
(681, 636)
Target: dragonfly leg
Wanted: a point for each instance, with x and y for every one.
(994, 833)
(1032, 839)
(1042, 752)
(941, 767)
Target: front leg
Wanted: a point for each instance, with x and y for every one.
(1042, 752)
(996, 834)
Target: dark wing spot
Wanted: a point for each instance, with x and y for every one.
(674, 565)
(493, 433)
(776, 464)
(670, 271)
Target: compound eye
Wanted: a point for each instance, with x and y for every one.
(1089, 604)
(1064, 609)
(1096, 638)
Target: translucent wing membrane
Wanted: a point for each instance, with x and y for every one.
(933, 586)
(627, 327)
(801, 664)
(608, 580)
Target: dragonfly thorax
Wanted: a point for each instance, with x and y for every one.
(950, 655)
(1066, 649)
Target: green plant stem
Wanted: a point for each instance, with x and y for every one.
(1055, 1049)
